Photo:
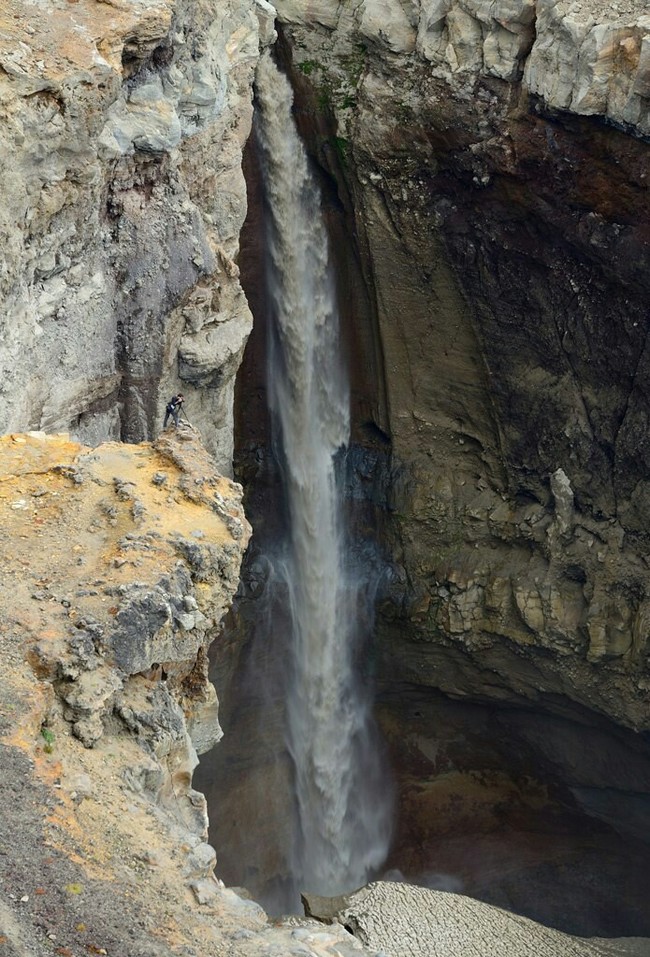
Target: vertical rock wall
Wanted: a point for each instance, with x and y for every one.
(493, 165)
(123, 197)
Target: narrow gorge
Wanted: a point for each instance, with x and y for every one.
(335, 804)
(396, 256)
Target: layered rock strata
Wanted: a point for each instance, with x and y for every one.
(122, 131)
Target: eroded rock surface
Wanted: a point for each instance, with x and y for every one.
(407, 921)
(128, 557)
(117, 564)
(122, 131)
(491, 172)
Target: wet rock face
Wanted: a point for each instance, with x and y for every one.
(542, 815)
(501, 228)
(123, 200)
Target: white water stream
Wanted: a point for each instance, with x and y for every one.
(343, 802)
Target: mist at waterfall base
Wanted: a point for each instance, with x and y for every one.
(321, 589)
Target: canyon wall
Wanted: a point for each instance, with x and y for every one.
(484, 172)
(491, 163)
(122, 201)
(491, 166)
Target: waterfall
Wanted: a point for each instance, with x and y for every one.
(342, 799)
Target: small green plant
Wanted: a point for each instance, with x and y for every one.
(48, 737)
(307, 67)
(341, 145)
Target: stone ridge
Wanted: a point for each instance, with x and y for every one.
(117, 565)
(141, 563)
(583, 56)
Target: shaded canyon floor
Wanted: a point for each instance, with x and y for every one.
(541, 814)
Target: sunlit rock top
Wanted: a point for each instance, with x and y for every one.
(585, 56)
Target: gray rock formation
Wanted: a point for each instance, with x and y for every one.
(122, 204)
(406, 921)
(590, 58)
(500, 221)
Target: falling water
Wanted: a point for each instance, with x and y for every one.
(342, 799)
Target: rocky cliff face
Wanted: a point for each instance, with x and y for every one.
(485, 181)
(118, 564)
(486, 174)
(123, 197)
(492, 167)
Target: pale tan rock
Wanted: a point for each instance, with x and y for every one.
(563, 496)
(589, 58)
(390, 21)
(529, 603)
(322, 12)
(266, 15)
(476, 36)
(598, 64)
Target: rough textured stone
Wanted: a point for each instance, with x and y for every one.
(593, 64)
(123, 200)
(96, 762)
(124, 600)
(501, 231)
(407, 921)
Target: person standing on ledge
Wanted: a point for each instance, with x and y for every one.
(174, 408)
